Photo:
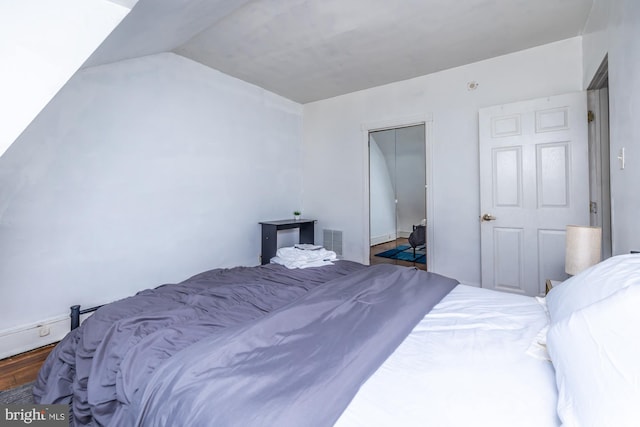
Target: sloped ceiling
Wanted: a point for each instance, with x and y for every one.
(42, 44)
(126, 3)
(155, 26)
(308, 50)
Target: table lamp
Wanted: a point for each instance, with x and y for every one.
(583, 248)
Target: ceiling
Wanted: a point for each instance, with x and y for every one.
(307, 50)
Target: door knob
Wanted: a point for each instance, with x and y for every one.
(488, 217)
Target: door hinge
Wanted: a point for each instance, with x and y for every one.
(593, 207)
(590, 116)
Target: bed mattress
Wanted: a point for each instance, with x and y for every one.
(475, 360)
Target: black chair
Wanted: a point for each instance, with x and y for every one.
(417, 238)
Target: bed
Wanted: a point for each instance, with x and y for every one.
(350, 345)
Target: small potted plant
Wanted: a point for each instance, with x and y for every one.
(296, 215)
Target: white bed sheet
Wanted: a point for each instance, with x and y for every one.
(469, 362)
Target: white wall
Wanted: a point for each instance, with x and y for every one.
(595, 39)
(332, 136)
(42, 43)
(614, 28)
(139, 173)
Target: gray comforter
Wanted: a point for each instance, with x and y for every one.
(243, 352)
(101, 366)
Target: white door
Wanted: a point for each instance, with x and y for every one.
(534, 181)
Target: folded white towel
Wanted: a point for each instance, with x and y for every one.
(294, 264)
(307, 246)
(292, 257)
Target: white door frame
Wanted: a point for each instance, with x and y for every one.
(427, 121)
(599, 154)
(599, 170)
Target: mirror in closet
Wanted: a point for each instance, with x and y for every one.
(397, 196)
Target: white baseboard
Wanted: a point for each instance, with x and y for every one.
(27, 337)
(389, 237)
(382, 239)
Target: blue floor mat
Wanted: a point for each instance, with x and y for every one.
(404, 253)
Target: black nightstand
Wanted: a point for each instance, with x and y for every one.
(550, 284)
(270, 235)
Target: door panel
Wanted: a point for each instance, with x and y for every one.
(507, 176)
(509, 266)
(534, 182)
(551, 246)
(552, 163)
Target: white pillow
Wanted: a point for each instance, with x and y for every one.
(592, 285)
(596, 354)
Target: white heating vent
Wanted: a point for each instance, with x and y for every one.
(332, 241)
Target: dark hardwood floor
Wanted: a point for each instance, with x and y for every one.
(22, 368)
(373, 260)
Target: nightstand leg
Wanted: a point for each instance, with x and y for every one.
(269, 243)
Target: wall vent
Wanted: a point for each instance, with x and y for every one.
(332, 241)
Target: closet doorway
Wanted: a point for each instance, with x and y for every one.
(398, 196)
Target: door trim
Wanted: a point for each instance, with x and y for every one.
(599, 167)
(423, 119)
(599, 155)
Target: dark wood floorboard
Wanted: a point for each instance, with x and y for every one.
(373, 260)
(22, 368)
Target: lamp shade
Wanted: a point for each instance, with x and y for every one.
(583, 248)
